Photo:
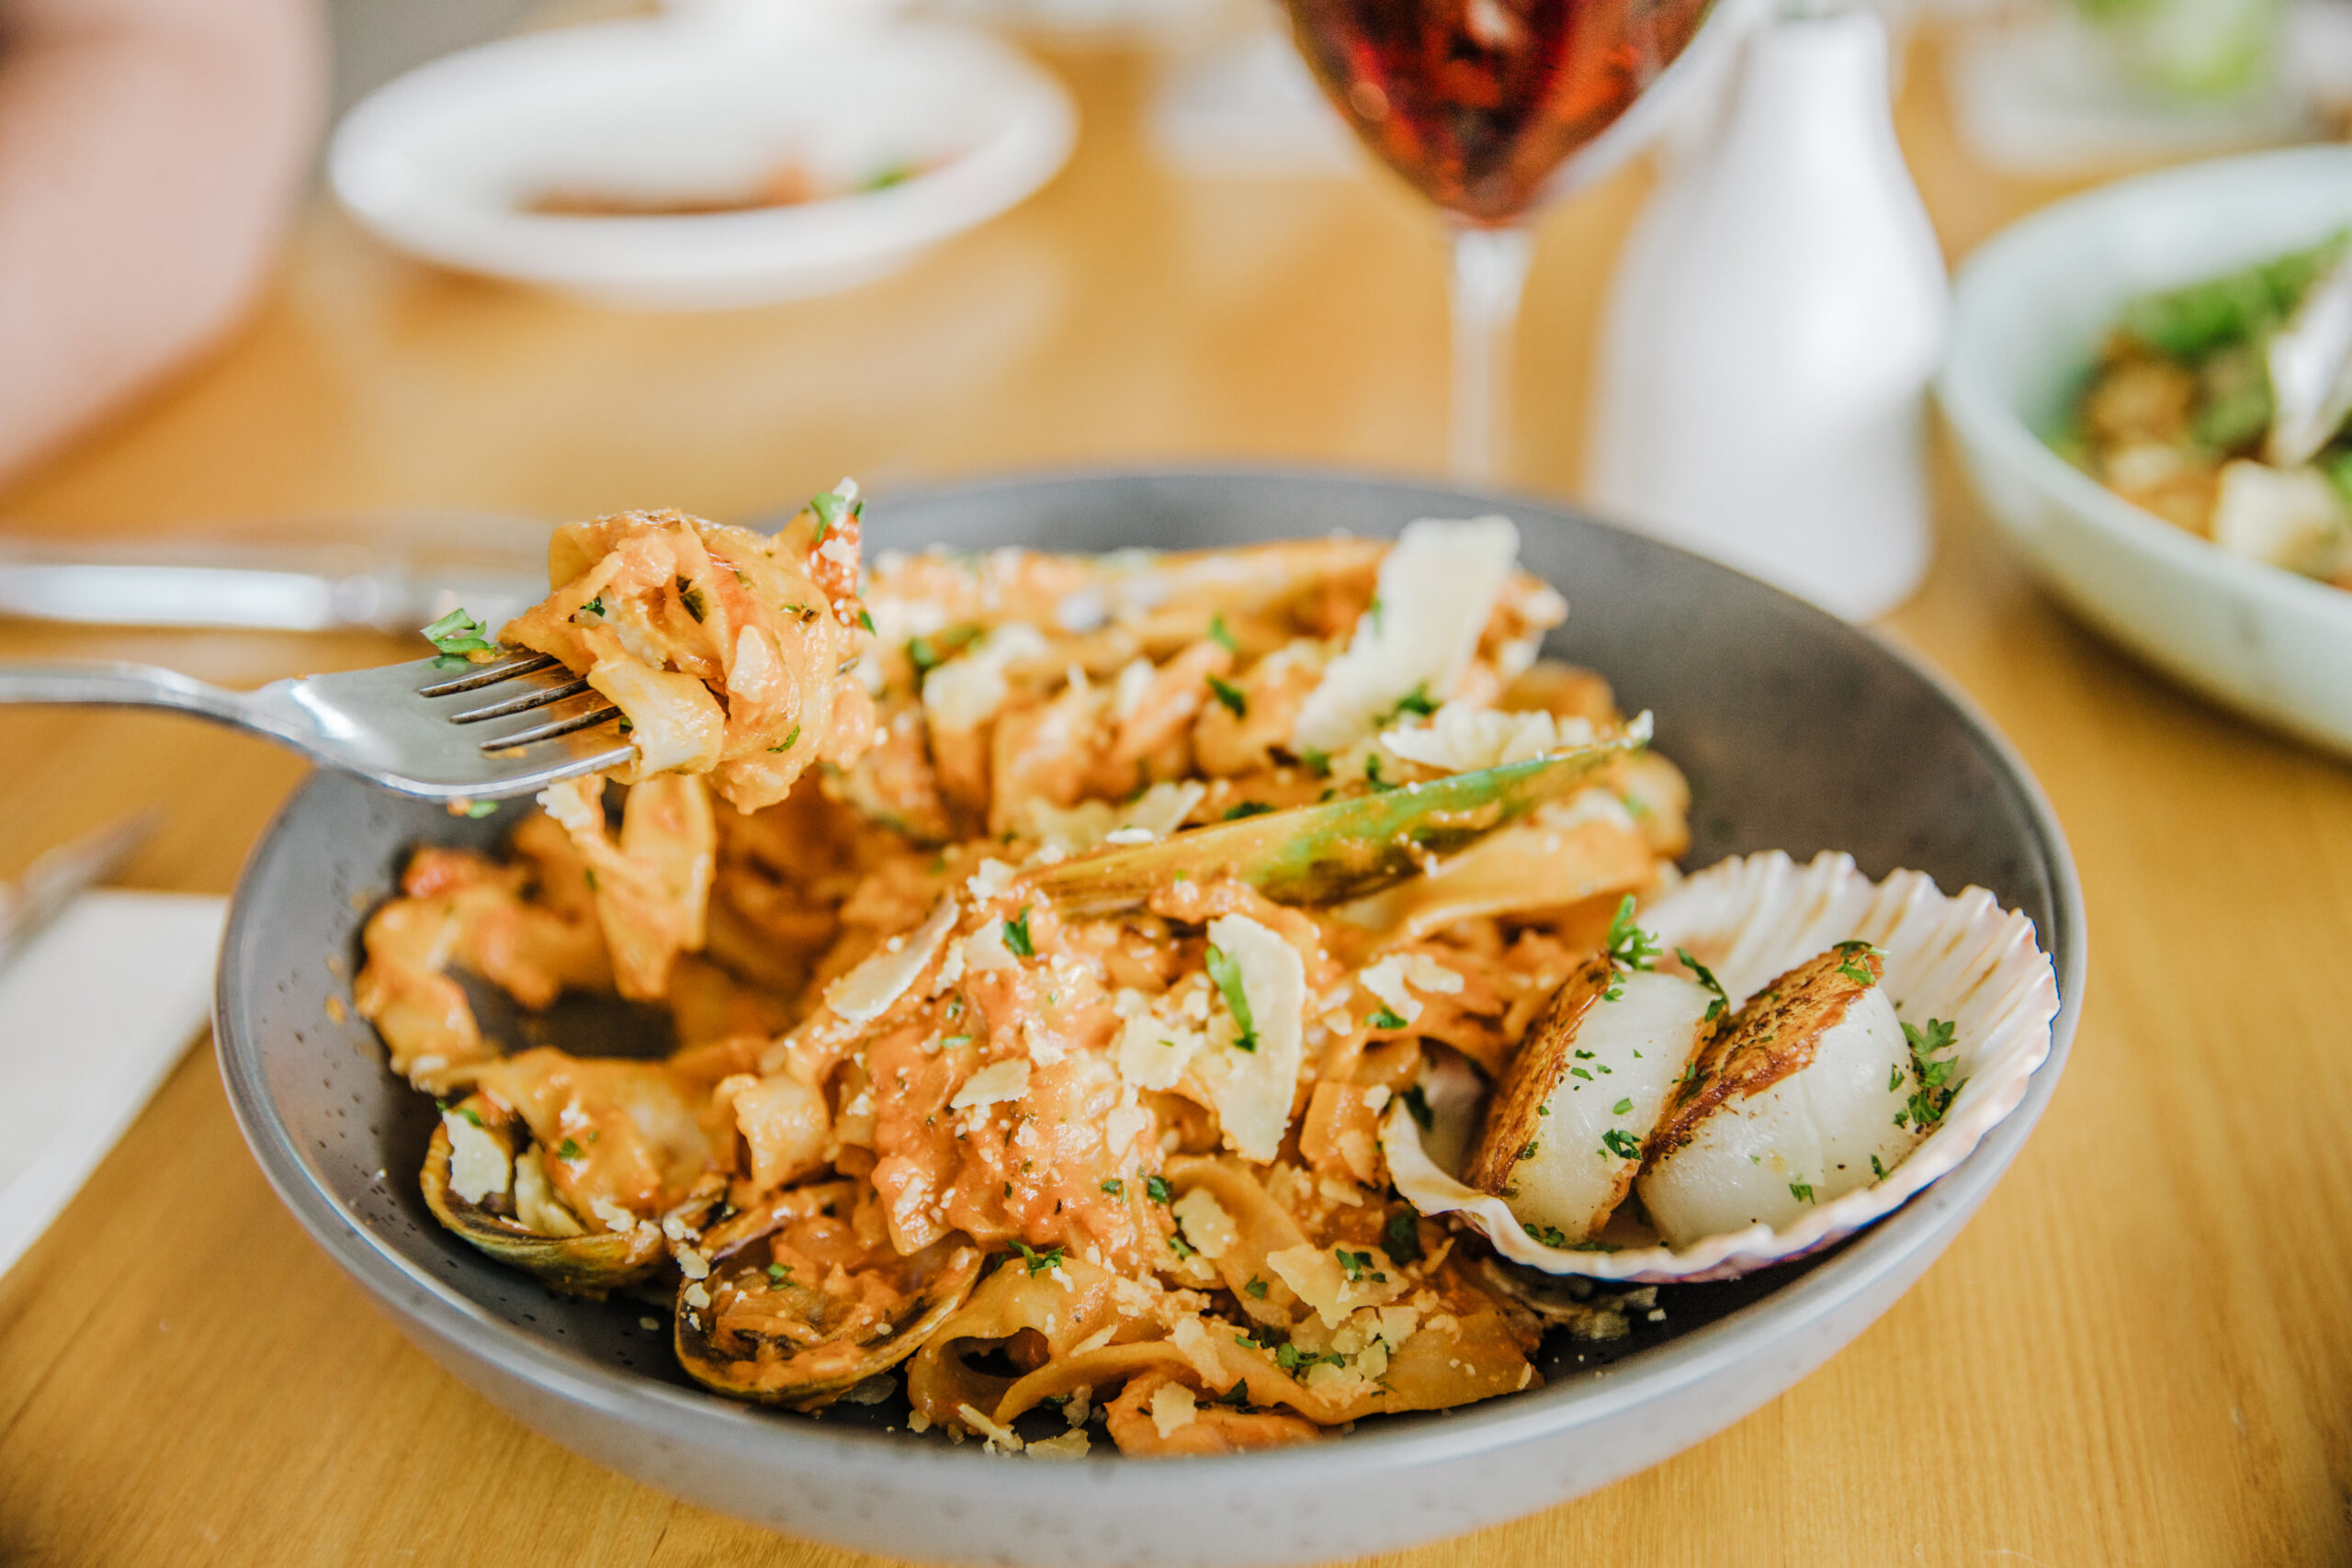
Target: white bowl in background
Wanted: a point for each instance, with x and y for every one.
(2031, 307)
(443, 162)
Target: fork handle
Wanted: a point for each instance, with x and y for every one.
(106, 684)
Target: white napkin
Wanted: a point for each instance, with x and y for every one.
(93, 1014)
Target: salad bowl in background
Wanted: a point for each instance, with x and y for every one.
(2031, 308)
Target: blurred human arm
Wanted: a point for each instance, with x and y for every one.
(148, 149)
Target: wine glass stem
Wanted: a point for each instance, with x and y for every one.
(1489, 272)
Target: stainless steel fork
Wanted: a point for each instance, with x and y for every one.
(440, 728)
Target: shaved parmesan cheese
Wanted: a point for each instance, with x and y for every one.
(1388, 978)
(965, 692)
(867, 992)
(1173, 1408)
(993, 877)
(985, 949)
(1001, 1438)
(1133, 685)
(478, 1163)
(1314, 1273)
(993, 1084)
(1460, 738)
(1158, 812)
(1071, 1444)
(1385, 980)
(1252, 1090)
(1154, 1051)
(1205, 1224)
(1438, 588)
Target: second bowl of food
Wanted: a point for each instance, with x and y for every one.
(2119, 337)
(1210, 994)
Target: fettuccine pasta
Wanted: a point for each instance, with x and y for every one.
(1121, 1174)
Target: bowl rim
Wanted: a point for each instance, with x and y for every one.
(1885, 1249)
(1985, 418)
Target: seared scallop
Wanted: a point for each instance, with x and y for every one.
(1565, 1131)
(1802, 1098)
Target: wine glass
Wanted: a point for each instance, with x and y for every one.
(1483, 106)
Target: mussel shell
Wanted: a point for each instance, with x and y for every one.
(774, 1369)
(593, 1265)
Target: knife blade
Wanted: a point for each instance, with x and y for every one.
(62, 874)
(388, 575)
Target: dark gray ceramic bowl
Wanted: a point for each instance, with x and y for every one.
(1798, 733)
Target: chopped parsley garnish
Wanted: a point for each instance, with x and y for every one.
(471, 1114)
(691, 597)
(1377, 615)
(1230, 695)
(1527, 1150)
(1180, 1248)
(1372, 776)
(478, 809)
(830, 509)
(1417, 701)
(1417, 1102)
(1038, 1262)
(1255, 1290)
(1386, 1018)
(1628, 948)
(1623, 1144)
(1225, 970)
(1318, 761)
(1357, 1265)
(1894, 1079)
(1222, 635)
(780, 1272)
(1622, 1107)
(1877, 1170)
(569, 1149)
(1156, 1189)
(865, 621)
(1290, 1357)
(1016, 935)
(927, 653)
(1402, 1238)
(1247, 808)
(1851, 965)
(458, 634)
(790, 736)
(1800, 1190)
(1114, 1187)
(1579, 1072)
(1716, 1008)
(594, 607)
(953, 1040)
(1550, 1235)
(1936, 1092)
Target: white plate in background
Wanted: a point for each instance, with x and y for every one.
(444, 162)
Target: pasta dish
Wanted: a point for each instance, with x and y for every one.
(1006, 1063)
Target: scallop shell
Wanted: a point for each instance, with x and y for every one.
(1960, 958)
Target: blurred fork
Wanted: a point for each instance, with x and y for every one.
(439, 728)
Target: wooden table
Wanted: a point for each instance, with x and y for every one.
(2140, 1353)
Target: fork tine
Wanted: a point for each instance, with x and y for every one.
(552, 728)
(487, 675)
(524, 704)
